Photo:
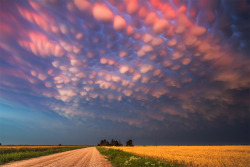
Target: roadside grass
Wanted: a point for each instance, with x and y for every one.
(120, 158)
(20, 153)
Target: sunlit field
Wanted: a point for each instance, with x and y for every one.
(196, 155)
(25, 146)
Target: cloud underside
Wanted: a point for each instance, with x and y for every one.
(144, 63)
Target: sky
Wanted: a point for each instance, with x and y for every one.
(162, 72)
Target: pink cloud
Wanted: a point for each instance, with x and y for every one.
(167, 63)
(187, 80)
(177, 55)
(156, 116)
(147, 48)
(42, 76)
(159, 92)
(48, 84)
(127, 92)
(151, 18)
(147, 37)
(64, 68)
(103, 60)
(145, 79)
(18, 74)
(132, 6)
(172, 42)
(40, 45)
(75, 62)
(79, 35)
(168, 11)
(136, 77)
(63, 28)
(172, 111)
(93, 95)
(190, 40)
(175, 67)
(111, 62)
(34, 18)
(130, 30)
(81, 75)
(33, 73)
(143, 12)
(116, 78)
(123, 54)
(123, 69)
(119, 23)
(55, 63)
(103, 84)
(102, 13)
(141, 53)
(186, 61)
(157, 72)
(160, 26)
(157, 41)
(83, 5)
(125, 83)
(146, 68)
(73, 69)
(198, 30)
(182, 23)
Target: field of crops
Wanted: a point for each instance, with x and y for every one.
(229, 156)
(17, 147)
(16, 153)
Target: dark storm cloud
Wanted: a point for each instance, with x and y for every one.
(149, 64)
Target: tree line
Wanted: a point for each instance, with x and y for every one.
(115, 143)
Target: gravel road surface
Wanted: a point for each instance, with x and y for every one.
(89, 157)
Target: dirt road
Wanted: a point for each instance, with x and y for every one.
(86, 157)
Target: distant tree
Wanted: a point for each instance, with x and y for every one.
(129, 143)
(0, 144)
(104, 143)
(115, 143)
(59, 144)
(112, 143)
(120, 143)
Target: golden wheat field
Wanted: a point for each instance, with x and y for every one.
(229, 156)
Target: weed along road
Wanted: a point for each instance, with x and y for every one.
(86, 157)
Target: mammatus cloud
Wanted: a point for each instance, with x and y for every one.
(165, 60)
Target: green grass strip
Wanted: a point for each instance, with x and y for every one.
(120, 158)
(26, 153)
